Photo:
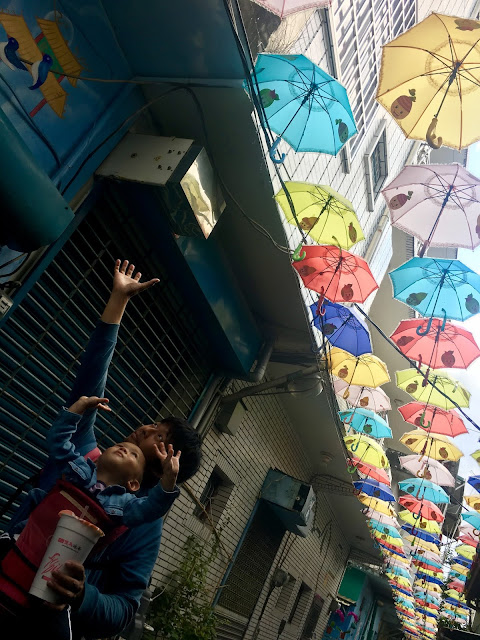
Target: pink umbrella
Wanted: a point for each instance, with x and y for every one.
(380, 517)
(469, 540)
(284, 8)
(428, 468)
(468, 530)
(367, 397)
(439, 204)
(457, 585)
(441, 421)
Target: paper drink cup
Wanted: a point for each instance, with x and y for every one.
(73, 539)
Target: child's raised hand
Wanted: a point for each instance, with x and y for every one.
(125, 283)
(85, 403)
(170, 465)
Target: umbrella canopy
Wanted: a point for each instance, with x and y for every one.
(424, 489)
(459, 569)
(474, 502)
(365, 370)
(368, 470)
(441, 390)
(365, 397)
(303, 104)
(465, 550)
(335, 274)
(374, 489)
(429, 469)
(476, 455)
(423, 508)
(439, 204)
(367, 450)
(436, 420)
(464, 562)
(366, 421)
(425, 562)
(378, 505)
(382, 519)
(414, 531)
(342, 328)
(381, 527)
(325, 215)
(429, 556)
(474, 481)
(437, 344)
(436, 447)
(430, 526)
(283, 8)
(468, 540)
(434, 85)
(436, 287)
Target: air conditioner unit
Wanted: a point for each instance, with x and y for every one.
(292, 501)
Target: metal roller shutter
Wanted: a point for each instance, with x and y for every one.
(160, 368)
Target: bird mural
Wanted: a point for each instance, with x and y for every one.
(9, 55)
(40, 71)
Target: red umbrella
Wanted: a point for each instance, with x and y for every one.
(356, 464)
(335, 274)
(424, 603)
(436, 343)
(425, 565)
(436, 420)
(466, 539)
(457, 585)
(392, 547)
(425, 508)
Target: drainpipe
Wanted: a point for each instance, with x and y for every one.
(262, 362)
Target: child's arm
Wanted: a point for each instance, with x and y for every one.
(161, 497)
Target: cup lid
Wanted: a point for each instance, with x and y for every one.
(66, 512)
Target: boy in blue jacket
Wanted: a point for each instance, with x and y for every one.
(105, 595)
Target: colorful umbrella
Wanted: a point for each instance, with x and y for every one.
(429, 469)
(429, 556)
(381, 527)
(437, 288)
(424, 489)
(342, 328)
(436, 420)
(421, 535)
(434, 84)
(374, 489)
(468, 540)
(368, 470)
(367, 450)
(303, 104)
(476, 455)
(325, 215)
(464, 562)
(437, 344)
(382, 519)
(441, 390)
(365, 370)
(335, 274)
(436, 447)
(423, 508)
(365, 397)
(474, 481)
(378, 505)
(474, 502)
(465, 550)
(419, 523)
(459, 569)
(283, 8)
(439, 204)
(366, 421)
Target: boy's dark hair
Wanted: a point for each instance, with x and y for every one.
(184, 437)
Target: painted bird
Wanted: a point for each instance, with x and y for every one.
(40, 71)
(9, 56)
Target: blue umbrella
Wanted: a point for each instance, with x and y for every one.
(396, 553)
(342, 328)
(437, 288)
(432, 599)
(304, 105)
(398, 571)
(472, 518)
(427, 613)
(423, 535)
(424, 490)
(384, 528)
(427, 578)
(417, 556)
(406, 593)
(474, 481)
(375, 489)
(457, 576)
(463, 561)
(366, 421)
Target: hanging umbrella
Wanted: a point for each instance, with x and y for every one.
(474, 481)
(367, 450)
(427, 556)
(419, 523)
(436, 447)
(465, 550)
(386, 546)
(429, 81)
(424, 489)
(374, 489)
(283, 8)
(325, 215)
(419, 560)
(335, 274)
(429, 469)
(459, 569)
(434, 419)
(468, 540)
(474, 502)
(441, 390)
(303, 104)
(378, 517)
(367, 470)
(365, 397)
(432, 579)
(437, 288)
(342, 328)
(365, 370)
(440, 345)
(476, 455)
(464, 562)
(378, 505)
(424, 508)
(382, 528)
(439, 204)
(366, 421)
(421, 535)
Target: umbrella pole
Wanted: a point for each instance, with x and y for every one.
(429, 239)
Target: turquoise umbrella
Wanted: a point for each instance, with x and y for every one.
(472, 518)
(416, 556)
(303, 104)
(424, 490)
(384, 528)
(366, 421)
(398, 571)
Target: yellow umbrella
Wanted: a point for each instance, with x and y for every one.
(474, 502)
(400, 579)
(367, 450)
(384, 537)
(423, 544)
(476, 455)
(459, 568)
(451, 593)
(420, 523)
(434, 588)
(433, 446)
(377, 505)
(411, 381)
(430, 77)
(325, 215)
(434, 574)
(364, 371)
(466, 551)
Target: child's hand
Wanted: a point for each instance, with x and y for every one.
(84, 403)
(125, 284)
(170, 465)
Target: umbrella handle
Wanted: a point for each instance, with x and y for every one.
(444, 320)
(427, 328)
(321, 299)
(419, 473)
(476, 532)
(349, 420)
(298, 254)
(355, 446)
(425, 378)
(273, 151)
(416, 516)
(351, 468)
(422, 423)
(431, 135)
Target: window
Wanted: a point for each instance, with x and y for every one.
(376, 166)
(312, 618)
(300, 605)
(214, 497)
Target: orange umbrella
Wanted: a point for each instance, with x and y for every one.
(423, 508)
(433, 419)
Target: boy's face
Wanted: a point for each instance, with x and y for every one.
(127, 461)
(146, 437)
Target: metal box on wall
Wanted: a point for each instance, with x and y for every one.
(292, 500)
